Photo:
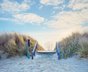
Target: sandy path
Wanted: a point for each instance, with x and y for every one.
(43, 63)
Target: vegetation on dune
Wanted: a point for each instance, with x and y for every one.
(14, 44)
(76, 44)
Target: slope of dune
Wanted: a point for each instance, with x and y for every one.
(13, 44)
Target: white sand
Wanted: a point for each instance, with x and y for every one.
(43, 63)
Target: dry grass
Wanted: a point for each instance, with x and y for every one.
(76, 44)
(14, 44)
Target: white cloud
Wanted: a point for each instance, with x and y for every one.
(78, 4)
(29, 18)
(68, 20)
(71, 19)
(10, 6)
(16, 8)
(51, 2)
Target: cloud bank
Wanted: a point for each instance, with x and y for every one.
(29, 18)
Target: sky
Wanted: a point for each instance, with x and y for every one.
(47, 21)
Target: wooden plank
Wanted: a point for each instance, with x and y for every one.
(46, 52)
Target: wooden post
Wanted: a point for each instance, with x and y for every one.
(34, 50)
(27, 48)
(57, 51)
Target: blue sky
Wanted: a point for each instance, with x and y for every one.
(47, 21)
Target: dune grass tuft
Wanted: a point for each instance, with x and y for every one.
(14, 44)
(76, 44)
